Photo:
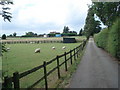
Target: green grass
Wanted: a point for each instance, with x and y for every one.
(65, 80)
(21, 57)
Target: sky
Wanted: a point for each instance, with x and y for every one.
(44, 16)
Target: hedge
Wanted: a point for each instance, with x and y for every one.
(109, 39)
(101, 39)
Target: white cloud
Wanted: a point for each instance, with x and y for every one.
(32, 13)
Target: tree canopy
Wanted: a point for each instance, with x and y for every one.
(81, 32)
(107, 11)
(3, 36)
(91, 25)
(66, 29)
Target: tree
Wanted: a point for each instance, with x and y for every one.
(10, 35)
(30, 34)
(80, 32)
(91, 25)
(14, 34)
(6, 15)
(107, 11)
(3, 36)
(66, 29)
(4, 12)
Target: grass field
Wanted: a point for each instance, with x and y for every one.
(21, 57)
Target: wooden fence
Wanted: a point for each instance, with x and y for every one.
(31, 41)
(14, 81)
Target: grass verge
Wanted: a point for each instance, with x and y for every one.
(64, 81)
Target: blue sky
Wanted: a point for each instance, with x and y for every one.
(44, 16)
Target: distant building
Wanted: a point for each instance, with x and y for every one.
(54, 32)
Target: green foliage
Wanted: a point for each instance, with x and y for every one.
(30, 34)
(107, 11)
(110, 39)
(69, 34)
(102, 38)
(66, 29)
(81, 32)
(91, 25)
(2, 49)
(51, 35)
(66, 32)
(14, 34)
(3, 36)
(114, 40)
(4, 11)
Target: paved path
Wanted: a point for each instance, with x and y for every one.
(96, 69)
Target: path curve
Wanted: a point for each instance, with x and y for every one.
(96, 70)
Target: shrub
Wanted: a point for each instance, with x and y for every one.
(69, 34)
(110, 39)
(113, 45)
(101, 38)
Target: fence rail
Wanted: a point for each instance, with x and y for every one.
(31, 41)
(14, 81)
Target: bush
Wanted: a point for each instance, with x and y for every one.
(101, 38)
(113, 45)
(51, 35)
(110, 39)
(3, 36)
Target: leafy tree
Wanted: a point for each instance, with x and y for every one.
(6, 15)
(30, 34)
(66, 29)
(10, 35)
(107, 11)
(80, 32)
(3, 36)
(14, 34)
(74, 32)
(4, 12)
(91, 25)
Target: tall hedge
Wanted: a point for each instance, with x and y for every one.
(114, 40)
(101, 39)
(110, 39)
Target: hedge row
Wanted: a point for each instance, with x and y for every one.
(109, 39)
